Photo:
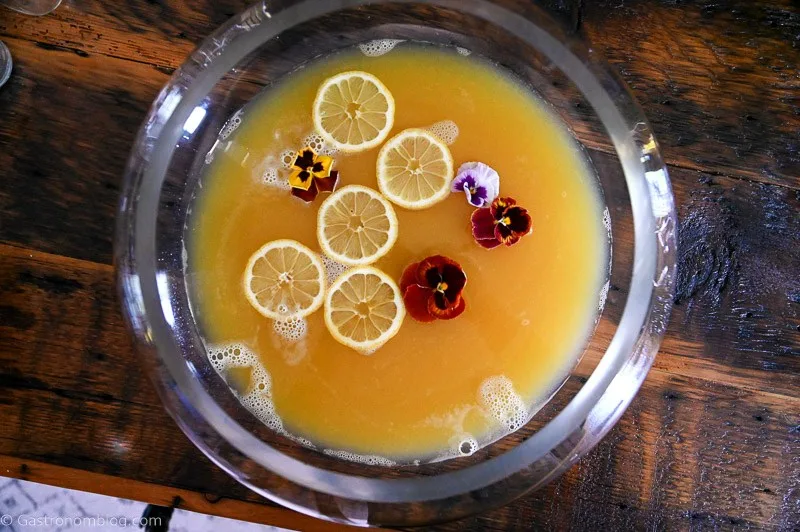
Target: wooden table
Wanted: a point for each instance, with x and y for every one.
(711, 441)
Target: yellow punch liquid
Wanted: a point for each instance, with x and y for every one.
(435, 389)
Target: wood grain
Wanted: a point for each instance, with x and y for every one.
(711, 442)
(719, 81)
(59, 191)
(207, 503)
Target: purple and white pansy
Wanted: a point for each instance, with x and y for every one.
(479, 182)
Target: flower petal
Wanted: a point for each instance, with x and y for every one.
(322, 166)
(478, 199)
(299, 178)
(306, 195)
(409, 276)
(519, 220)
(453, 310)
(483, 224)
(430, 270)
(304, 159)
(500, 205)
(456, 279)
(462, 182)
(416, 299)
(328, 184)
(471, 177)
(503, 232)
(488, 243)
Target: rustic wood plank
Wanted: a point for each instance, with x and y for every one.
(719, 82)
(67, 124)
(123, 430)
(713, 440)
(207, 503)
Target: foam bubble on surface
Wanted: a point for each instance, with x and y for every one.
(231, 125)
(378, 47)
(291, 329)
(445, 130)
(499, 399)
(601, 303)
(468, 445)
(257, 398)
(463, 51)
(287, 157)
(462, 443)
(333, 268)
(607, 221)
(369, 459)
(273, 176)
(317, 143)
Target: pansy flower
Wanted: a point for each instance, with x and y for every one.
(432, 289)
(479, 182)
(504, 222)
(311, 174)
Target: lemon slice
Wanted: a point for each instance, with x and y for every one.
(364, 309)
(356, 225)
(353, 111)
(415, 169)
(284, 280)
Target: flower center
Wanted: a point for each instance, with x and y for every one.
(441, 287)
(505, 220)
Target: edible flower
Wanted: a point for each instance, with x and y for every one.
(479, 182)
(311, 174)
(432, 289)
(504, 222)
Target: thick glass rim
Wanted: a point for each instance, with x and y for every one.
(136, 244)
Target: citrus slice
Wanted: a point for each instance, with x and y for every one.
(364, 309)
(356, 225)
(353, 111)
(284, 280)
(415, 169)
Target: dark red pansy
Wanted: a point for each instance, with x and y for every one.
(432, 289)
(504, 222)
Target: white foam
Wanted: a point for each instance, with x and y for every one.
(317, 143)
(231, 125)
(273, 177)
(463, 51)
(468, 445)
(257, 398)
(287, 158)
(333, 268)
(445, 130)
(601, 303)
(607, 221)
(500, 401)
(378, 47)
(462, 443)
(369, 459)
(291, 329)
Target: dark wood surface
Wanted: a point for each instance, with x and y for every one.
(711, 442)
